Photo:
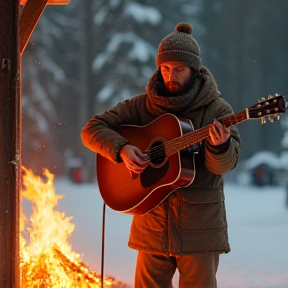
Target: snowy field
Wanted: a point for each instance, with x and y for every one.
(258, 229)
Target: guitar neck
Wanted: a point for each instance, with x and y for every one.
(198, 135)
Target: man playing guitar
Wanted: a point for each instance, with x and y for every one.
(187, 228)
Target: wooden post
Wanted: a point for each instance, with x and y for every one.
(50, 2)
(11, 128)
(30, 16)
(10, 134)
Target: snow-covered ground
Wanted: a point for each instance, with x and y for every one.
(258, 229)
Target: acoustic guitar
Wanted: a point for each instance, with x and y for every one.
(165, 141)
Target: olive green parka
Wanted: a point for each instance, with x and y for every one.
(191, 219)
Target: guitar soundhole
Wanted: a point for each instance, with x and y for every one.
(157, 153)
(152, 174)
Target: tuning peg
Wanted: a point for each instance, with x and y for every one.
(271, 118)
(261, 99)
(263, 120)
(270, 96)
(278, 117)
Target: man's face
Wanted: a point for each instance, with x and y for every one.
(176, 77)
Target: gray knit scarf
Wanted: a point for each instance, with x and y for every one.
(158, 103)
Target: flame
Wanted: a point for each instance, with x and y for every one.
(48, 261)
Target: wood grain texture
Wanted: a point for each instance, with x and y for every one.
(10, 131)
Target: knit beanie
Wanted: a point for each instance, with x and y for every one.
(179, 46)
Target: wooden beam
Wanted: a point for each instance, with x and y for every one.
(50, 2)
(30, 16)
(10, 146)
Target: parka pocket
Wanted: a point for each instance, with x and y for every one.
(202, 209)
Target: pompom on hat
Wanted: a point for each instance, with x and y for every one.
(179, 46)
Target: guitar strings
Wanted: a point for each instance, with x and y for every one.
(170, 147)
(159, 151)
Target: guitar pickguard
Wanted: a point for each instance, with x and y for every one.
(151, 175)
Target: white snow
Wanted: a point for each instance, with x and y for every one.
(258, 230)
(284, 141)
(263, 157)
(139, 49)
(143, 13)
(105, 93)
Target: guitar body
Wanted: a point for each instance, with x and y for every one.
(138, 194)
(172, 166)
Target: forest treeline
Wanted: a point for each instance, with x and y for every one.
(85, 57)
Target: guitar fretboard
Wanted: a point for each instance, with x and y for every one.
(198, 135)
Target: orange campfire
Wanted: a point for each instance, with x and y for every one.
(46, 258)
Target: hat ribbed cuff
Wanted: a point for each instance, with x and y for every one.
(186, 58)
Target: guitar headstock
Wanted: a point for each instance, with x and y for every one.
(270, 108)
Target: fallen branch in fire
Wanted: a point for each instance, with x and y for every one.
(79, 274)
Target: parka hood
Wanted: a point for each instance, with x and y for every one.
(209, 91)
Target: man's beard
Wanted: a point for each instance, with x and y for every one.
(173, 88)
